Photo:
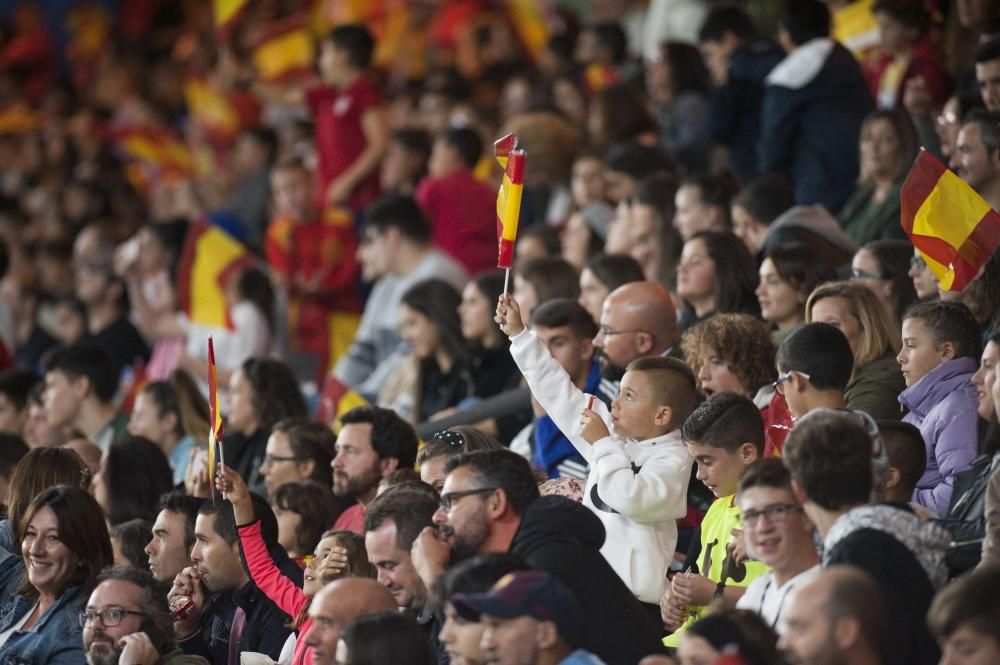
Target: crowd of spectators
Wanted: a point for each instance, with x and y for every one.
(719, 410)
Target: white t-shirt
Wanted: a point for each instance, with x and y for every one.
(767, 599)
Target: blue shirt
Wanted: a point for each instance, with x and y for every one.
(551, 445)
(179, 458)
(581, 657)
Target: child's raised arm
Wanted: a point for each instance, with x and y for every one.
(508, 315)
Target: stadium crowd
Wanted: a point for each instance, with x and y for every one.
(720, 410)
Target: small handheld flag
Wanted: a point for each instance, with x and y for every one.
(950, 224)
(214, 414)
(509, 198)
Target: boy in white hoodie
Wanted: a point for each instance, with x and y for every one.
(639, 465)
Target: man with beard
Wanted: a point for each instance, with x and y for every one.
(373, 443)
(490, 503)
(126, 622)
(977, 155)
(838, 618)
(638, 321)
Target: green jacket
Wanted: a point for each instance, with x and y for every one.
(865, 220)
(875, 389)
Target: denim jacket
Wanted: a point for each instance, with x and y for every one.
(56, 639)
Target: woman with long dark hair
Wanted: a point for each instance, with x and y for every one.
(716, 274)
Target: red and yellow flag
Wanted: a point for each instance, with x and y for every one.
(509, 199)
(210, 256)
(227, 12)
(214, 412)
(211, 108)
(951, 226)
(285, 51)
(155, 148)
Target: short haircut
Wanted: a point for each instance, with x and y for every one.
(611, 36)
(310, 440)
(411, 511)
(503, 469)
(88, 361)
(855, 593)
(225, 521)
(905, 448)
(132, 537)
(742, 341)
(972, 601)
(805, 20)
(766, 197)
(156, 622)
(551, 277)
(614, 270)
(16, 385)
(355, 39)
(769, 473)
(12, 449)
(989, 127)
(564, 312)
(477, 574)
(802, 266)
(455, 441)
(391, 435)
(727, 20)
(910, 14)
(413, 140)
(673, 383)
(315, 503)
(187, 507)
(987, 51)
(266, 138)
(466, 142)
(829, 454)
(399, 212)
(949, 322)
(386, 637)
(725, 420)
(821, 351)
(715, 190)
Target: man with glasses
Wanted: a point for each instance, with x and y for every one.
(297, 450)
(126, 622)
(776, 532)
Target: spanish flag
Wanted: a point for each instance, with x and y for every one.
(509, 199)
(336, 400)
(227, 12)
(285, 51)
(953, 228)
(210, 256)
(155, 148)
(211, 109)
(214, 413)
(19, 119)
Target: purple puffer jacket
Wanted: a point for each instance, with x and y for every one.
(943, 405)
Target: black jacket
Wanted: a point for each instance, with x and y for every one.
(563, 538)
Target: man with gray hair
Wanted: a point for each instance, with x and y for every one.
(127, 622)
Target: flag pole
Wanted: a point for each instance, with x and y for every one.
(506, 280)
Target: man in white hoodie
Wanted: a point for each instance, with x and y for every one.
(639, 465)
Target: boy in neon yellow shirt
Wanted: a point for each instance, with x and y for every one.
(725, 435)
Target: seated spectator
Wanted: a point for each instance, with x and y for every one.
(702, 204)
(298, 449)
(844, 605)
(725, 435)
(80, 386)
(618, 115)
(304, 510)
(528, 615)
(716, 275)
(37, 431)
(940, 349)
(603, 274)
(677, 86)
(134, 475)
(788, 274)
(446, 444)
(739, 60)
(540, 241)
(261, 393)
(135, 621)
(15, 387)
(811, 225)
(963, 617)
(906, 55)
(64, 528)
(385, 637)
(987, 71)
(756, 206)
(551, 533)
(458, 204)
(172, 414)
(169, 548)
(251, 159)
(433, 375)
(627, 164)
(888, 148)
(982, 293)
(904, 446)
(128, 541)
(814, 103)
(814, 366)
(585, 231)
(396, 250)
(538, 282)
(975, 158)
(876, 382)
(638, 512)
(829, 455)
(780, 536)
(884, 266)
(587, 180)
(373, 443)
(11, 452)
(336, 606)
(738, 633)
(405, 162)
(655, 242)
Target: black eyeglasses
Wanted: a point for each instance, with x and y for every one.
(448, 499)
(110, 617)
(775, 513)
(271, 459)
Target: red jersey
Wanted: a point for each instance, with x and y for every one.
(339, 138)
(463, 214)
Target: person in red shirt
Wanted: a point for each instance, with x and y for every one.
(462, 209)
(351, 129)
(312, 257)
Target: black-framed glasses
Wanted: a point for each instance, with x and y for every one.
(607, 332)
(857, 273)
(779, 385)
(774, 513)
(448, 499)
(110, 617)
(271, 459)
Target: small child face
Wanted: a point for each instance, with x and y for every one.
(634, 413)
(718, 468)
